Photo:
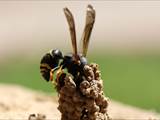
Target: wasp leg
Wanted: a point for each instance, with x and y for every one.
(59, 72)
(60, 79)
(52, 72)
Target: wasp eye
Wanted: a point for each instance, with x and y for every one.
(57, 53)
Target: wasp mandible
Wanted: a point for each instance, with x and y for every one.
(74, 62)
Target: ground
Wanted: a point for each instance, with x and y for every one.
(18, 103)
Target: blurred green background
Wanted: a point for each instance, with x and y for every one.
(125, 43)
(130, 79)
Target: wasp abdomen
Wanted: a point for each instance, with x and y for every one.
(46, 65)
(45, 71)
(48, 62)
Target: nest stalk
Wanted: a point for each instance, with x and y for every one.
(82, 98)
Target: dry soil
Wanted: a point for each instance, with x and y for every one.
(17, 102)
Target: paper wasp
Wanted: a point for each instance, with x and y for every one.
(74, 63)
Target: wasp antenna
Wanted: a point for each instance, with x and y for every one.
(71, 24)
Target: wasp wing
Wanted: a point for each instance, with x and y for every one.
(71, 24)
(90, 19)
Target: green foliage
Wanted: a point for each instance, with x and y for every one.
(130, 79)
(23, 72)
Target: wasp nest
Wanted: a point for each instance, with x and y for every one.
(82, 100)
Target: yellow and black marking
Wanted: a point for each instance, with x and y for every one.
(49, 62)
(45, 70)
(45, 65)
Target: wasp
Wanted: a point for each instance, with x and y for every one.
(73, 62)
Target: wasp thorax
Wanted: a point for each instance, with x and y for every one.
(74, 66)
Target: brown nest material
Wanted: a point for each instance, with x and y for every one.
(82, 98)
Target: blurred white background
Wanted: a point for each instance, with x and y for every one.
(34, 26)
